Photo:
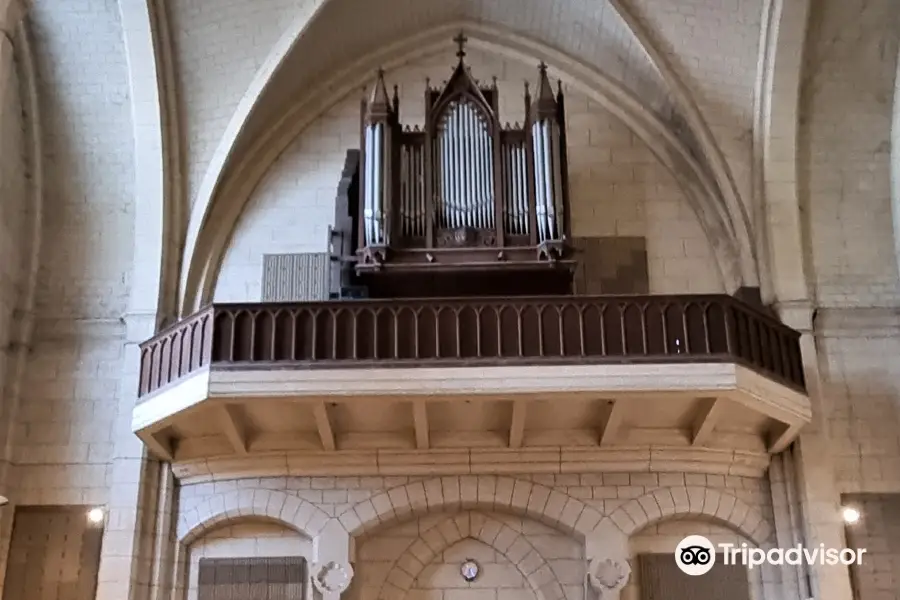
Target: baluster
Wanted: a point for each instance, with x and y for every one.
(561, 323)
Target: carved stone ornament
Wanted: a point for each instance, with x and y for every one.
(608, 576)
(332, 577)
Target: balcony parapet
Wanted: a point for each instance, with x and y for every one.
(473, 332)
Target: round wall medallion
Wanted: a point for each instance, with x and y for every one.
(469, 570)
(608, 575)
(332, 577)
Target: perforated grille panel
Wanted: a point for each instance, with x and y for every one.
(54, 555)
(280, 578)
(295, 277)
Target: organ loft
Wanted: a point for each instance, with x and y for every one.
(465, 205)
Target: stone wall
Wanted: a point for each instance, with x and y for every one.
(617, 186)
(844, 152)
(218, 50)
(527, 530)
(244, 539)
(878, 531)
(844, 169)
(14, 247)
(421, 559)
(63, 440)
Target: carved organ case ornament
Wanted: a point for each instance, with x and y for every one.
(465, 192)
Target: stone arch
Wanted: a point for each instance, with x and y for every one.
(663, 503)
(225, 195)
(159, 211)
(511, 544)
(487, 492)
(780, 240)
(271, 505)
(304, 16)
(895, 164)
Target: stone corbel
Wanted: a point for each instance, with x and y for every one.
(606, 549)
(332, 573)
(796, 314)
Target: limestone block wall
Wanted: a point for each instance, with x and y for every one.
(245, 539)
(878, 577)
(13, 218)
(617, 186)
(845, 171)
(62, 443)
(863, 385)
(218, 49)
(420, 559)
(409, 533)
(715, 55)
(844, 163)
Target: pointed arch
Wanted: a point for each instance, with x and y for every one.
(291, 511)
(509, 543)
(217, 213)
(487, 492)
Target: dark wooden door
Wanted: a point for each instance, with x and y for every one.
(252, 578)
(661, 579)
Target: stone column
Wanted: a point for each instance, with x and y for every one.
(128, 539)
(785, 509)
(8, 21)
(895, 166)
(12, 356)
(817, 489)
(127, 562)
(164, 547)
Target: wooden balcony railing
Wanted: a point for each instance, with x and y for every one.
(470, 331)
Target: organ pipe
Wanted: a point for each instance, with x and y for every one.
(548, 171)
(418, 186)
(540, 185)
(558, 202)
(369, 211)
(547, 155)
(466, 181)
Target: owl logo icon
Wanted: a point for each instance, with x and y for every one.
(695, 555)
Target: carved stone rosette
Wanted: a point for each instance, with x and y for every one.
(608, 576)
(332, 578)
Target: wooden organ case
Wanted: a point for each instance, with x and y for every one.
(466, 205)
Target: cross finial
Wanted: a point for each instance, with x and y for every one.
(461, 40)
(542, 67)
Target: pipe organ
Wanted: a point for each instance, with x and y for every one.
(464, 192)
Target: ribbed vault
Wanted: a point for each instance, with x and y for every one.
(590, 31)
(587, 42)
